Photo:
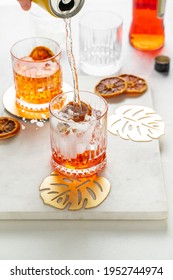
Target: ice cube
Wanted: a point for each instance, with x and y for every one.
(63, 128)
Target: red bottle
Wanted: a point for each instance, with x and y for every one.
(147, 27)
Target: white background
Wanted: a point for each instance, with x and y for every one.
(95, 239)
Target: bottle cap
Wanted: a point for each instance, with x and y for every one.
(162, 63)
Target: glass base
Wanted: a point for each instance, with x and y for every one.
(147, 42)
(101, 70)
(32, 107)
(78, 173)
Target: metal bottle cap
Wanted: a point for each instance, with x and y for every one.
(162, 63)
(65, 8)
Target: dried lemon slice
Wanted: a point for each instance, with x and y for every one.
(41, 53)
(8, 127)
(110, 87)
(135, 84)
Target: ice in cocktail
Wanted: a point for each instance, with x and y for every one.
(78, 134)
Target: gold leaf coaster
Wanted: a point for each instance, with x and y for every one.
(137, 123)
(74, 193)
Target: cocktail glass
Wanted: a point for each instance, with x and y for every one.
(37, 81)
(78, 147)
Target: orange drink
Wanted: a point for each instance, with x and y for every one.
(147, 27)
(37, 73)
(78, 134)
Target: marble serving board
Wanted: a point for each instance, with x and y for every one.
(133, 169)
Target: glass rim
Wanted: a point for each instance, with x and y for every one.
(31, 38)
(99, 12)
(85, 91)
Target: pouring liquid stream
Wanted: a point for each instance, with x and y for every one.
(79, 109)
(71, 59)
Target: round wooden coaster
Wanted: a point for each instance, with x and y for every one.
(74, 193)
(10, 105)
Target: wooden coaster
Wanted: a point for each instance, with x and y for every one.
(74, 193)
(137, 123)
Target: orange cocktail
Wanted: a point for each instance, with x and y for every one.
(78, 134)
(37, 75)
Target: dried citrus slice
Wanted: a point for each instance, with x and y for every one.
(135, 84)
(110, 87)
(41, 53)
(8, 127)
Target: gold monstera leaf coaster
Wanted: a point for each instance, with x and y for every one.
(74, 193)
(137, 123)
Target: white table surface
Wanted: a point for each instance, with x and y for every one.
(94, 239)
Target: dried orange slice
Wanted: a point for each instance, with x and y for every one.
(135, 84)
(8, 127)
(110, 87)
(41, 53)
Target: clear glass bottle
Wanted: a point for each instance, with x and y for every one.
(147, 27)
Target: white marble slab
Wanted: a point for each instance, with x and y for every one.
(133, 169)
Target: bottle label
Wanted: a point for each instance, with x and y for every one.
(161, 8)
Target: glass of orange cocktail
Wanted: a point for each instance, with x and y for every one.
(37, 73)
(78, 133)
